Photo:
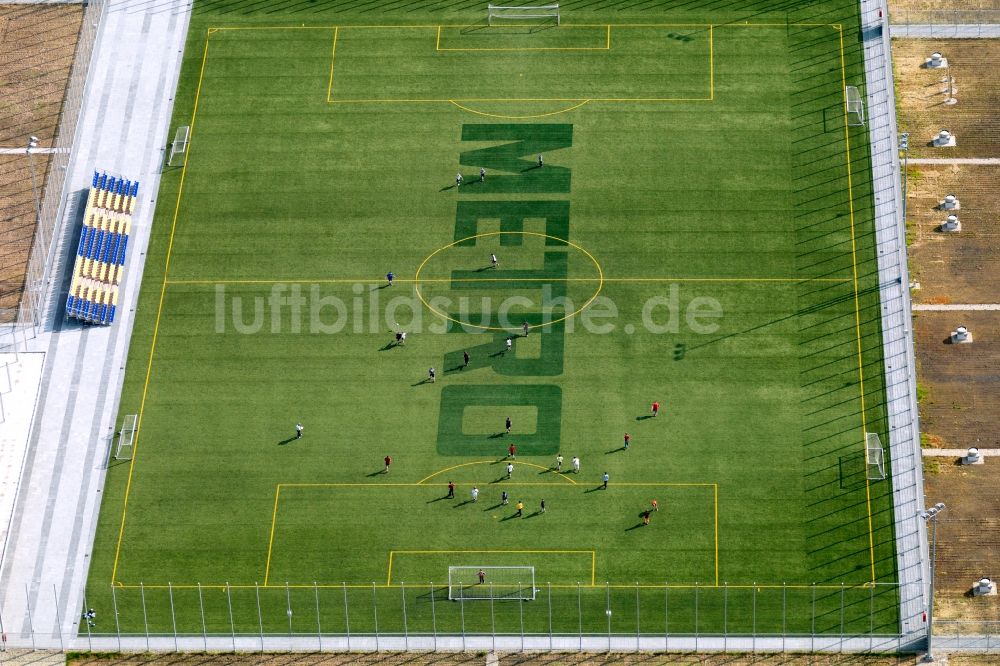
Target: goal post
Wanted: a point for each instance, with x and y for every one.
(497, 14)
(855, 106)
(126, 436)
(180, 143)
(510, 583)
(874, 457)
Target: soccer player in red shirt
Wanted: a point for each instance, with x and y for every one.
(511, 451)
(628, 440)
(656, 408)
(388, 461)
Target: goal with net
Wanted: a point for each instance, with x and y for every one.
(126, 437)
(874, 457)
(500, 14)
(855, 106)
(514, 583)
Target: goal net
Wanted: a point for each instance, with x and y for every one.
(855, 107)
(126, 437)
(499, 583)
(180, 143)
(500, 14)
(874, 457)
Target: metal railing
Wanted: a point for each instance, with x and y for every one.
(738, 618)
(945, 22)
(30, 311)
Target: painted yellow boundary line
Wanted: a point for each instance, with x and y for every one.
(857, 306)
(492, 461)
(555, 586)
(156, 326)
(444, 280)
(592, 553)
(277, 495)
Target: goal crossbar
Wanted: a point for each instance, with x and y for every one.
(855, 106)
(499, 583)
(522, 12)
(180, 143)
(874, 457)
(126, 437)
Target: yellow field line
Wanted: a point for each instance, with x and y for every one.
(556, 586)
(490, 462)
(392, 553)
(857, 306)
(429, 100)
(519, 116)
(333, 56)
(446, 280)
(270, 541)
(159, 313)
(744, 24)
(711, 63)
(715, 492)
(437, 44)
(608, 46)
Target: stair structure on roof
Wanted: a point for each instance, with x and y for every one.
(100, 256)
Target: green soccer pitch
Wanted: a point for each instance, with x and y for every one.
(700, 234)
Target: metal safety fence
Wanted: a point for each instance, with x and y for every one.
(772, 617)
(23, 324)
(945, 22)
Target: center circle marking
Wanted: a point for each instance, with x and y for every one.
(597, 265)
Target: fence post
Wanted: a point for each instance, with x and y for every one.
(753, 615)
(114, 603)
(90, 643)
(697, 589)
(260, 617)
(784, 613)
(607, 609)
(434, 620)
(812, 634)
(461, 610)
(347, 617)
(725, 616)
(378, 648)
(145, 615)
(201, 607)
(55, 595)
(288, 612)
(579, 615)
(666, 617)
(406, 632)
(232, 622)
(493, 624)
(871, 615)
(520, 608)
(31, 625)
(319, 625)
(637, 616)
(173, 617)
(841, 617)
(550, 616)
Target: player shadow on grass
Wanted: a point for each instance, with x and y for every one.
(532, 515)
(643, 417)
(287, 441)
(595, 489)
(461, 504)
(497, 435)
(425, 380)
(377, 473)
(635, 527)
(620, 448)
(510, 517)
(392, 345)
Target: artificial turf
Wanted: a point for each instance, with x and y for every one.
(703, 222)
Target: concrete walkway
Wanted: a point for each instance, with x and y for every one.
(123, 129)
(903, 437)
(993, 161)
(957, 453)
(950, 30)
(956, 307)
